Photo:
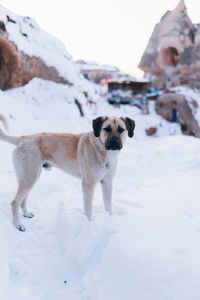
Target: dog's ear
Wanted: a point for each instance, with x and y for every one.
(97, 125)
(130, 126)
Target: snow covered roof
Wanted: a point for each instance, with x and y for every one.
(92, 66)
(129, 78)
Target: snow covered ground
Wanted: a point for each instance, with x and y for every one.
(148, 250)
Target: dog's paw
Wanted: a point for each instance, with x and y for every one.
(88, 215)
(47, 166)
(20, 227)
(28, 215)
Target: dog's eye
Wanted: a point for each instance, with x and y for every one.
(107, 129)
(120, 130)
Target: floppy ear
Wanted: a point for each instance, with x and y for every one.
(97, 124)
(130, 126)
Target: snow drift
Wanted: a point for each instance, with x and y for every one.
(149, 248)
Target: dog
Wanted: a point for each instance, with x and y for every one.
(90, 156)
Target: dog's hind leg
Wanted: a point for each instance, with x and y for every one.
(28, 166)
(26, 213)
(23, 191)
(15, 208)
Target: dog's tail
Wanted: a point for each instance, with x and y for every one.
(10, 139)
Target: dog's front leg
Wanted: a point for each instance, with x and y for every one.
(106, 185)
(88, 194)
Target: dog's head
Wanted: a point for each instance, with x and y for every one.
(112, 131)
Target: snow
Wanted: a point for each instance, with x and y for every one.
(149, 249)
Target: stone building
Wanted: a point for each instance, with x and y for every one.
(95, 72)
(172, 55)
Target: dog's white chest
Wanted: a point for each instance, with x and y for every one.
(110, 160)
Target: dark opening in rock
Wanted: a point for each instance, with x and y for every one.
(174, 115)
(184, 128)
(169, 57)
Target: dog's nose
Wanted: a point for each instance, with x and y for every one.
(114, 144)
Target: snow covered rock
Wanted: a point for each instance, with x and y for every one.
(26, 51)
(150, 131)
(175, 108)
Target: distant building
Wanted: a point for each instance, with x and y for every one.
(172, 56)
(136, 85)
(94, 72)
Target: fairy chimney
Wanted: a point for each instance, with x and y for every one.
(173, 51)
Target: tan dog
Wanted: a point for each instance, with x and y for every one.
(90, 156)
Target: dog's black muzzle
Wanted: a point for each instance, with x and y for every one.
(114, 144)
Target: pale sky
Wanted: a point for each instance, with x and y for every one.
(112, 32)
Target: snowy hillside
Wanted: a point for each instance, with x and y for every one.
(29, 38)
(33, 41)
(149, 249)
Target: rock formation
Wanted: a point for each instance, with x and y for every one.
(174, 108)
(151, 131)
(26, 52)
(172, 55)
(17, 68)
